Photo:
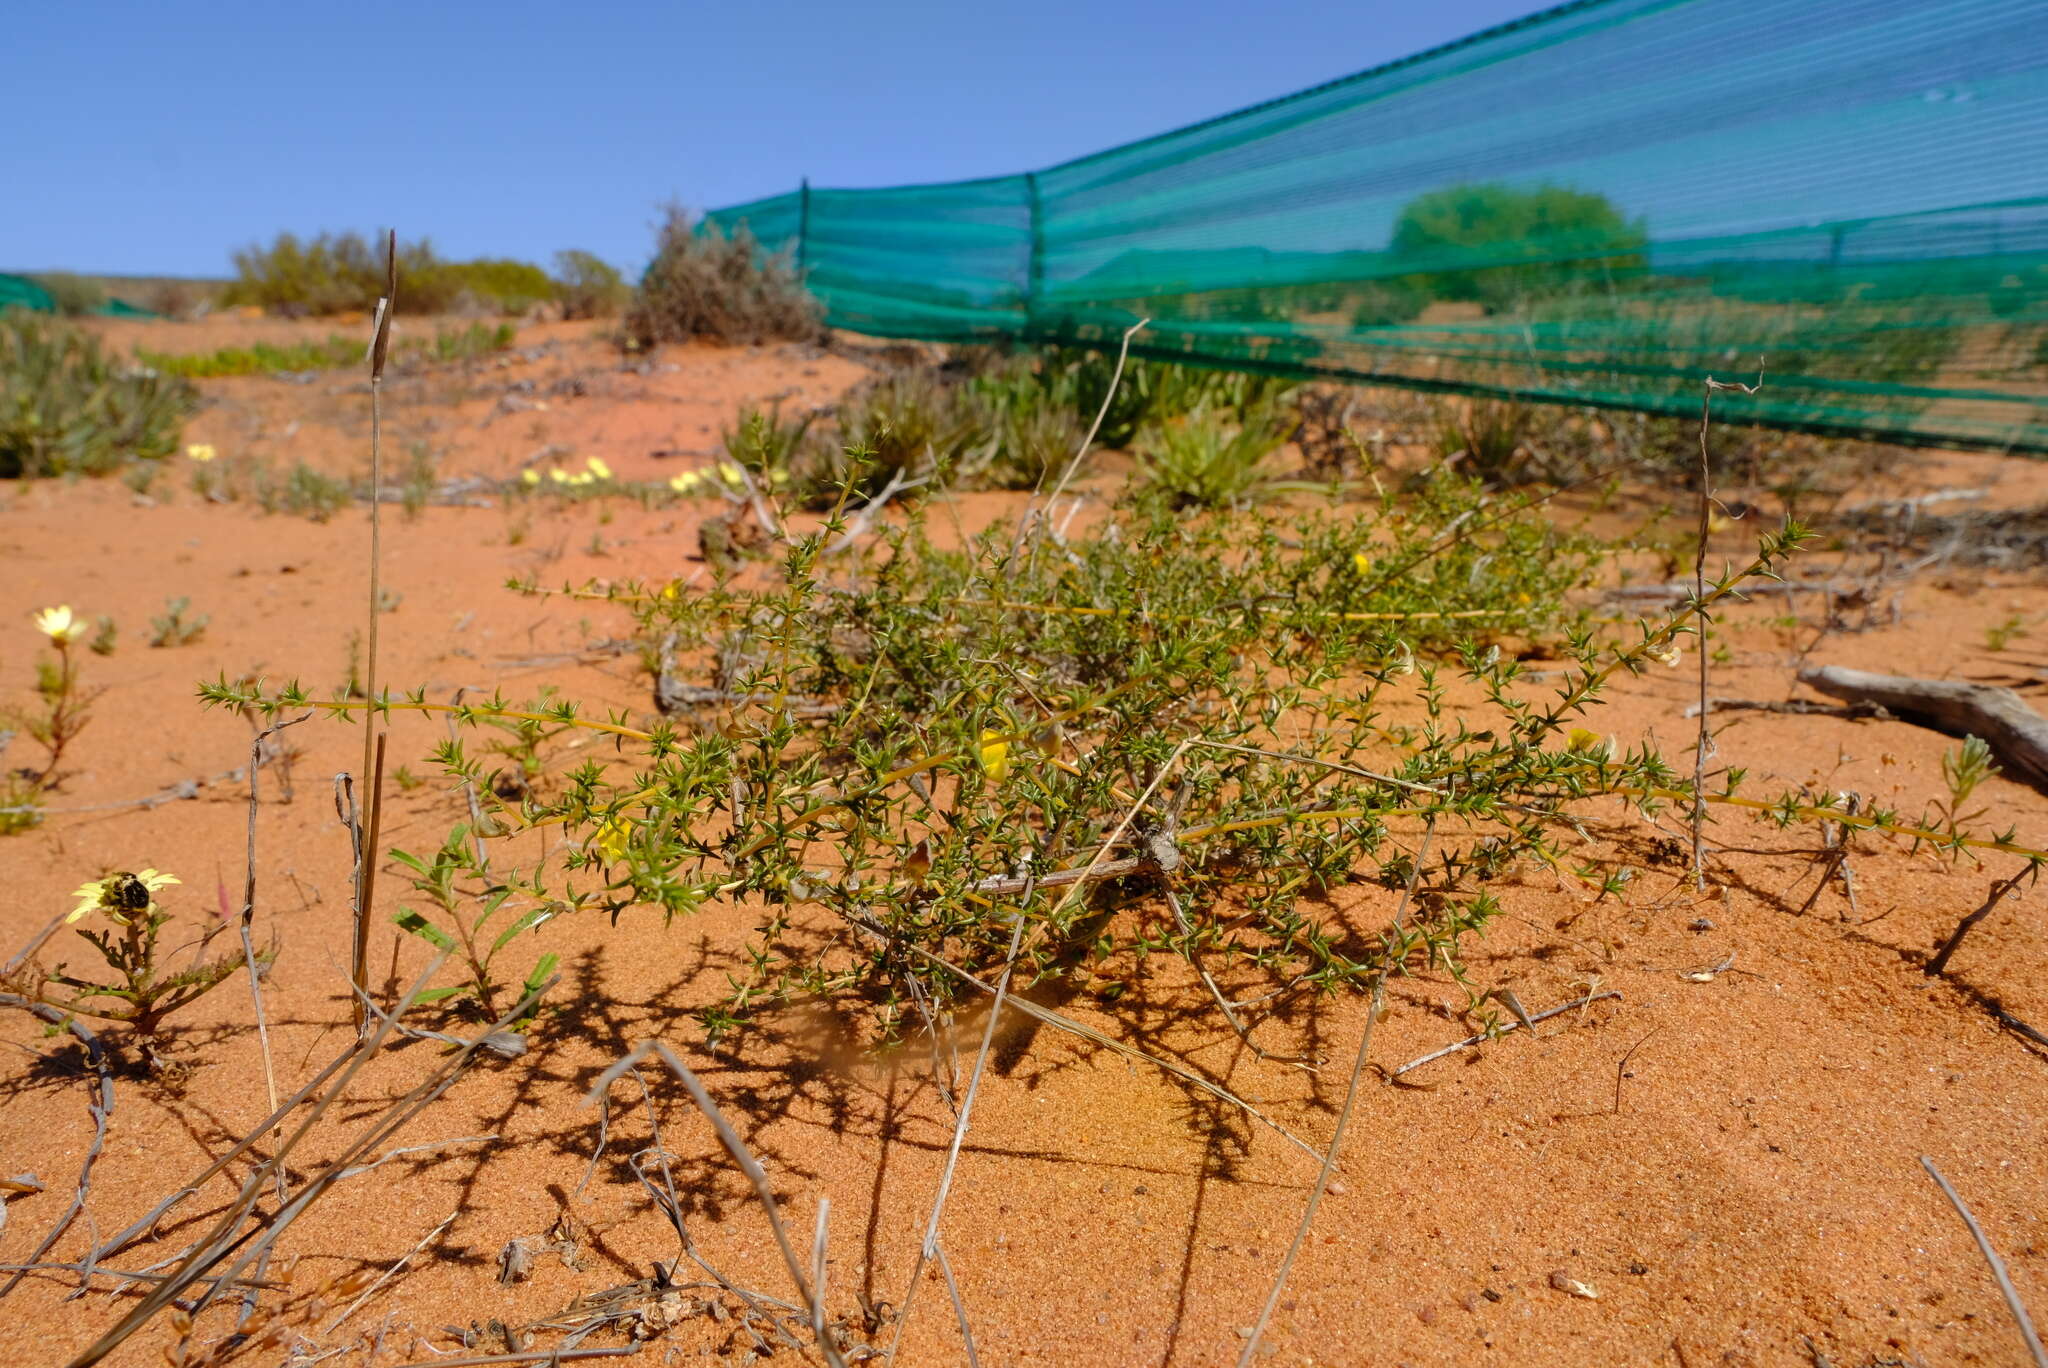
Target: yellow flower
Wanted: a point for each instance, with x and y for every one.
(583, 478)
(201, 451)
(529, 477)
(686, 482)
(1582, 742)
(672, 589)
(599, 468)
(60, 625)
(1361, 562)
(611, 838)
(559, 475)
(995, 755)
(119, 894)
(1667, 655)
(732, 474)
(778, 478)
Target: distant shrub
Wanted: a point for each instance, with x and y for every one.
(1519, 244)
(65, 405)
(74, 295)
(333, 273)
(340, 272)
(488, 284)
(703, 284)
(587, 286)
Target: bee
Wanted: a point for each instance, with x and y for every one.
(124, 892)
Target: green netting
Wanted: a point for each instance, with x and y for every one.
(19, 292)
(1602, 204)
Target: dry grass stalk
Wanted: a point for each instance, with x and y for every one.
(366, 857)
(1998, 1269)
(1705, 739)
(101, 1103)
(227, 1234)
(249, 909)
(1375, 1006)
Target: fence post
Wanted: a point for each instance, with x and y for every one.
(1034, 272)
(803, 229)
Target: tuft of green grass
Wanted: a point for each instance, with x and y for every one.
(1204, 460)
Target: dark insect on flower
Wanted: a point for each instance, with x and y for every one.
(124, 892)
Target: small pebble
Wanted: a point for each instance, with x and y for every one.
(1565, 1282)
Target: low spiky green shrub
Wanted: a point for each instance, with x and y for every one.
(1170, 733)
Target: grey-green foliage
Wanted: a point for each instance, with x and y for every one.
(174, 628)
(66, 405)
(705, 285)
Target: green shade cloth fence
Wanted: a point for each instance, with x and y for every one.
(1600, 205)
(19, 292)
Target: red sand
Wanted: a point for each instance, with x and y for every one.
(1757, 1186)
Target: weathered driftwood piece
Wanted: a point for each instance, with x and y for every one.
(2017, 734)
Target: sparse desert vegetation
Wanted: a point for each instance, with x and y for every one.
(853, 839)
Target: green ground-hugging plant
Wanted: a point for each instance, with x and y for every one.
(337, 351)
(1243, 708)
(67, 406)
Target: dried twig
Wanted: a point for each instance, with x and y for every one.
(1116, 380)
(101, 1103)
(1705, 740)
(864, 518)
(249, 907)
(227, 1234)
(749, 1165)
(1374, 1007)
(1999, 889)
(2011, 1293)
(1469, 1041)
(527, 1356)
(1621, 1066)
(390, 1272)
(1799, 707)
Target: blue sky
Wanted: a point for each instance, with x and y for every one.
(154, 138)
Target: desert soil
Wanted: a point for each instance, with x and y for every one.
(1727, 1153)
